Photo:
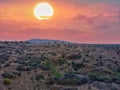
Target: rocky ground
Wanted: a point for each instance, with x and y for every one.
(25, 66)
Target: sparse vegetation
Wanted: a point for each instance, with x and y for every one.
(26, 66)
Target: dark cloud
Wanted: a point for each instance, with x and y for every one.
(100, 21)
(83, 18)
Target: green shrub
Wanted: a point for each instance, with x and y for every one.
(93, 76)
(103, 78)
(116, 79)
(6, 81)
(69, 75)
(38, 77)
(8, 75)
(55, 72)
(49, 65)
(17, 73)
(77, 66)
(118, 69)
(84, 80)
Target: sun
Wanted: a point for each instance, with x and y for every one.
(43, 11)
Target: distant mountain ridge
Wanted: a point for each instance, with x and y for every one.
(45, 41)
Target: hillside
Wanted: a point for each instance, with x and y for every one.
(45, 41)
(59, 66)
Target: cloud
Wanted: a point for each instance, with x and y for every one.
(104, 27)
(83, 19)
(101, 21)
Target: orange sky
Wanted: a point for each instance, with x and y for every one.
(75, 21)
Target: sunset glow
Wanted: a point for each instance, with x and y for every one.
(88, 21)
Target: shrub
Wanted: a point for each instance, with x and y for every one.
(77, 66)
(116, 79)
(49, 65)
(20, 68)
(6, 65)
(55, 72)
(101, 78)
(43, 67)
(6, 81)
(93, 76)
(84, 80)
(8, 75)
(17, 73)
(105, 79)
(24, 68)
(69, 75)
(118, 69)
(71, 79)
(33, 64)
(38, 77)
(74, 56)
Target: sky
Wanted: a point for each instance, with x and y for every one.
(81, 21)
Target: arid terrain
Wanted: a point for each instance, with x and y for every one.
(59, 66)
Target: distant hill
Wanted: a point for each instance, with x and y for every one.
(44, 41)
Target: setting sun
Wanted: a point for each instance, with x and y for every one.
(43, 11)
